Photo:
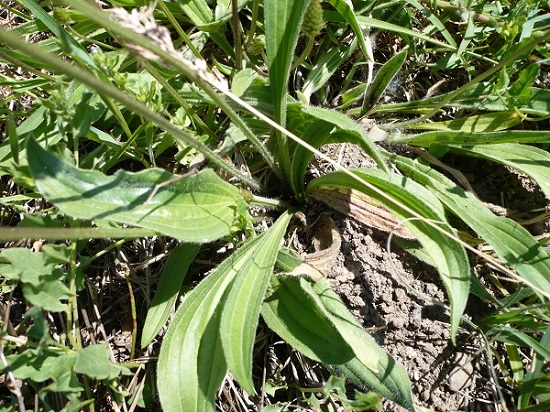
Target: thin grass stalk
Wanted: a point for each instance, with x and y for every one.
(105, 89)
(188, 69)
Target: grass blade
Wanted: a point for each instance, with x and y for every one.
(464, 138)
(325, 67)
(367, 21)
(345, 8)
(168, 290)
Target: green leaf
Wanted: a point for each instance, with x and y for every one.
(345, 8)
(49, 293)
(434, 20)
(325, 67)
(453, 137)
(520, 91)
(242, 309)
(449, 257)
(295, 312)
(24, 265)
(329, 126)
(93, 361)
(196, 209)
(512, 243)
(313, 319)
(198, 11)
(282, 20)
(168, 290)
(191, 356)
(383, 79)
(480, 123)
(367, 21)
(532, 161)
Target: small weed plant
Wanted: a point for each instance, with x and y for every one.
(241, 95)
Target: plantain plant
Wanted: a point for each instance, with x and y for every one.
(156, 100)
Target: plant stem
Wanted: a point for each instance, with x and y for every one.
(251, 32)
(268, 202)
(307, 50)
(179, 30)
(17, 233)
(237, 41)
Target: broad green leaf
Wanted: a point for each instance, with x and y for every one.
(532, 161)
(323, 126)
(190, 361)
(313, 319)
(168, 290)
(242, 308)
(295, 312)
(463, 138)
(490, 122)
(385, 375)
(192, 358)
(93, 361)
(345, 8)
(197, 209)
(316, 135)
(512, 243)
(449, 257)
(383, 79)
(325, 67)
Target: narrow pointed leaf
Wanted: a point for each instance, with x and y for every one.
(384, 374)
(197, 209)
(191, 363)
(435, 21)
(242, 309)
(490, 122)
(512, 243)
(460, 137)
(383, 79)
(448, 256)
(379, 24)
(168, 290)
(532, 161)
(325, 67)
(349, 131)
(345, 8)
